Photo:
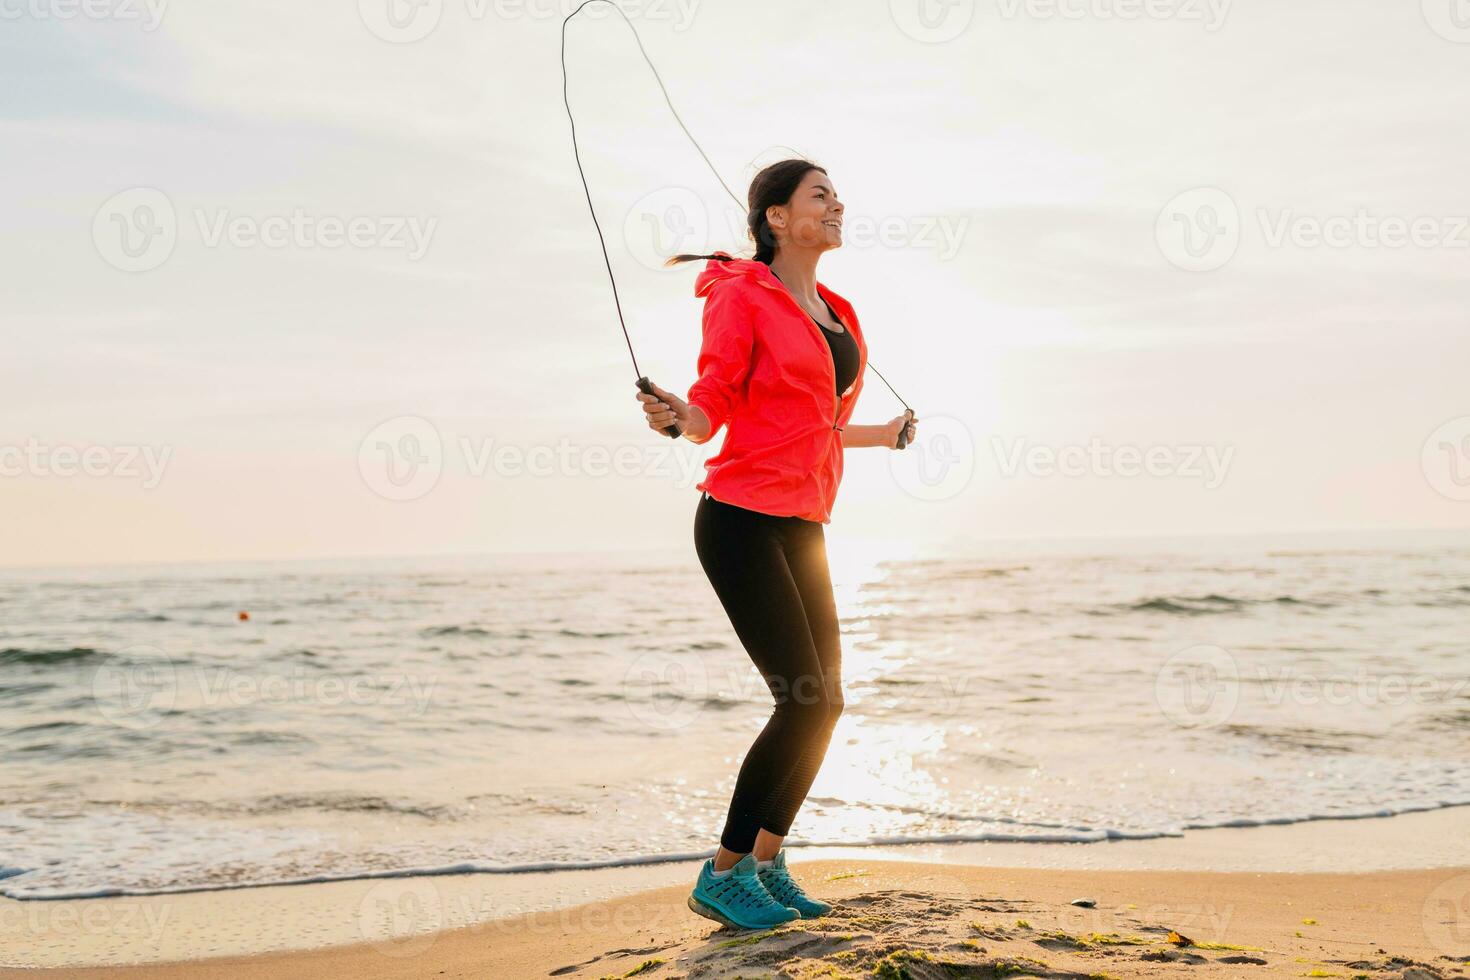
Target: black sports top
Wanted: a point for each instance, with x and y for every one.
(844, 351)
(845, 355)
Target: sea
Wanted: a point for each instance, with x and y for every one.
(202, 726)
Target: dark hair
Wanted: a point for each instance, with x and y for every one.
(772, 187)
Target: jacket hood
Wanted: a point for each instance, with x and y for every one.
(715, 270)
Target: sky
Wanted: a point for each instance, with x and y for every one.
(291, 280)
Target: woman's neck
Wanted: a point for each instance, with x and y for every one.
(797, 270)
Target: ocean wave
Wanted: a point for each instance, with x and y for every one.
(477, 632)
(455, 631)
(14, 691)
(13, 884)
(42, 658)
(1319, 740)
(1214, 604)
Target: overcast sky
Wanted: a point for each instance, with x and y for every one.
(281, 279)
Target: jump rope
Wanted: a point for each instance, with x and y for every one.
(671, 430)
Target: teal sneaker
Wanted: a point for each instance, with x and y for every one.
(737, 899)
(784, 889)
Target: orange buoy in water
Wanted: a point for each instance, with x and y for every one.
(244, 616)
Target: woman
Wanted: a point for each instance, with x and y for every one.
(780, 367)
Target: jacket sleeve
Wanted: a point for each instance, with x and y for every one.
(724, 353)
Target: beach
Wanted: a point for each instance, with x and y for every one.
(512, 767)
(1221, 743)
(1398, 905)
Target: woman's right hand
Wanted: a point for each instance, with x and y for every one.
(662, 408)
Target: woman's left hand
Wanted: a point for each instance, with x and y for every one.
(896, 426)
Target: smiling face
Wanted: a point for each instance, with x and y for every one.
(813, 216)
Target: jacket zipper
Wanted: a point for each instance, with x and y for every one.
(812, 323)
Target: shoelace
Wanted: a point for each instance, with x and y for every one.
(745, 891)
(779, 883)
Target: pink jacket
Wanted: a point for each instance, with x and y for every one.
(766, 375)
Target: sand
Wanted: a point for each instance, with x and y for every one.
(893, 919)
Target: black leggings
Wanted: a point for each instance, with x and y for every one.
(771, 576)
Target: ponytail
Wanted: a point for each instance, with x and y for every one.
(772, 187)
(676, 259)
